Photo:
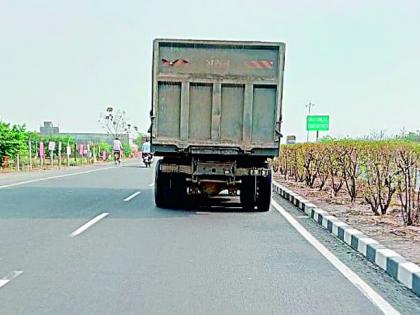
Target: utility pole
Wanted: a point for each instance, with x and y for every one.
(309, 106)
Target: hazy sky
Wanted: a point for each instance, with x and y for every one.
(65, 61)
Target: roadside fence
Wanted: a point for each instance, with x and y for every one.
(49, 154)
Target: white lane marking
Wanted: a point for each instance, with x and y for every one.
(13, 275)
(132, 196)
(53, 177)
(367, 291)
(87, 225)
(152, 184)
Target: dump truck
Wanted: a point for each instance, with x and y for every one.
(216, 118)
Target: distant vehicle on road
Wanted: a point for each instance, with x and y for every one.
(117, 149)
(216, 119)
(291, 139)
(147, 159)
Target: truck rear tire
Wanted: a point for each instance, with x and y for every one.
(264, 193)
(248, 193)
(178, 192)
(161, 187)
(170, 189)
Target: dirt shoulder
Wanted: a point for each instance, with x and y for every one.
(387, 229)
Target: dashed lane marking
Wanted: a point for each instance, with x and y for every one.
(6, 279)
(132, 196)
(87, 225)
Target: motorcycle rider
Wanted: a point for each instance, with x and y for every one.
(117, 149)
(146, 147)
(146, 151)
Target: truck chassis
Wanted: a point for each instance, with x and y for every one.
(179, 179)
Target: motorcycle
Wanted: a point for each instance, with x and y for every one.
(147, 159)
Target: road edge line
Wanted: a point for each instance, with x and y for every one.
(399, 268)
(54, 177)
(350, 275)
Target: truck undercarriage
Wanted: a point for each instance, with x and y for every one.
(179, 181)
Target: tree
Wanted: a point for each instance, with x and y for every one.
(409, 195)
(380, 172)
(13, 140)
(413, 136)
(114, 121)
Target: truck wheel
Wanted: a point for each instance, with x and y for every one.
(178, 192)
(247, 193)
(161, 186)
(264, 193)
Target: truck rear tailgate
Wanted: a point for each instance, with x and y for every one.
(218, 94)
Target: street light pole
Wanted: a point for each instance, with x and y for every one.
(309, 106)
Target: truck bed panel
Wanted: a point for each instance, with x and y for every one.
(217, 94)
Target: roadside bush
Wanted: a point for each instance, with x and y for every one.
(408, 158)
(379, 173)
(127, 150)
(13, 140)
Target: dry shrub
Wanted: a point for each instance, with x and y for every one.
(377, 171)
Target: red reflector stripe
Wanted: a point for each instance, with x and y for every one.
(175, 63)
(259, 64)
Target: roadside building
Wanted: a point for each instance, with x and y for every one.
(49, 129)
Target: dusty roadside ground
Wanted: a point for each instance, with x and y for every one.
(388, 229)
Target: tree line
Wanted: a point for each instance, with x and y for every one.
(18, 143)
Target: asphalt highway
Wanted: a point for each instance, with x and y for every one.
(91, 241)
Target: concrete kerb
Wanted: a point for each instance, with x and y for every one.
(391, 262)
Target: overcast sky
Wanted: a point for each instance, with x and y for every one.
(65, 61)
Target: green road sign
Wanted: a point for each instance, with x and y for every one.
(317, 123)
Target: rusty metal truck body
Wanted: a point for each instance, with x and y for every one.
(216, 117)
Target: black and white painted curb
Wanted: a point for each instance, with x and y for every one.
(394, 264)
